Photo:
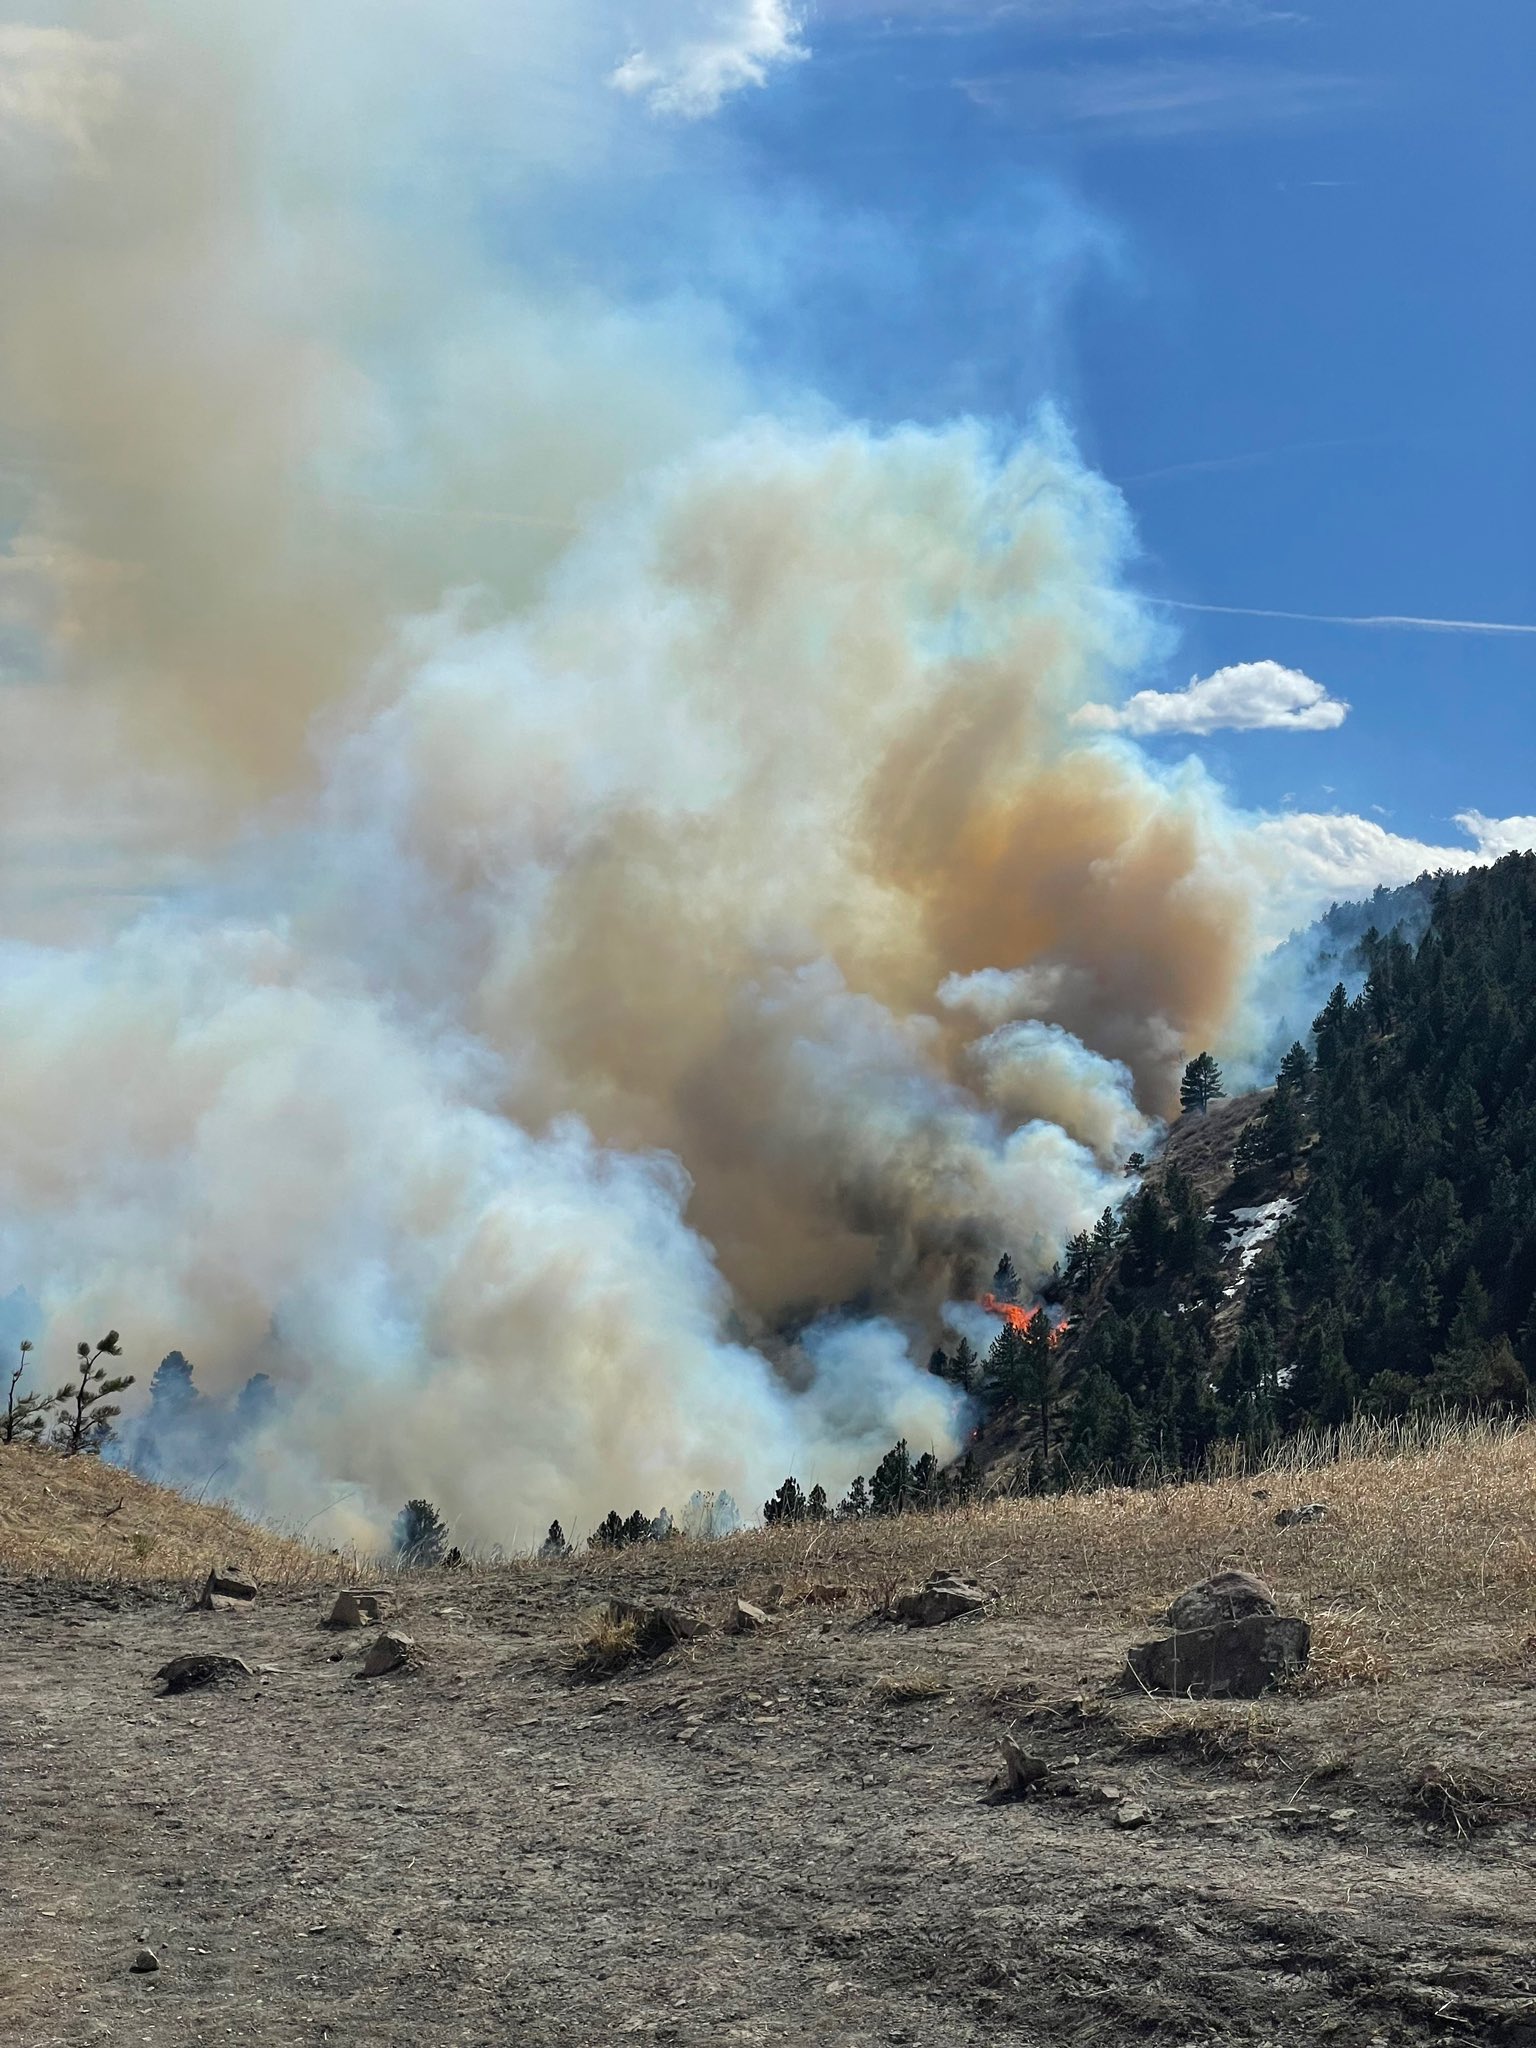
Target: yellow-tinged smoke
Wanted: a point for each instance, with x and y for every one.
(555, 913)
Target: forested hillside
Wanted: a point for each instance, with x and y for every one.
(1374, 1246)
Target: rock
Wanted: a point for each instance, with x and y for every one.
(1229, 1596)
(145, 1961)
(1130, 1815)
(825, 1595)
(352, 1609)
(389, 1651)
(657, 1629)
(1020, 1776)
(1234, 1660)
(744, 1619)
(186, 1674)
(945, 1597)
(226, 1588)
(1288, 1518)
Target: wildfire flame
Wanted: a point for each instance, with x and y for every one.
(1020, 1318)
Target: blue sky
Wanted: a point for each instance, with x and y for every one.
(1275, 265)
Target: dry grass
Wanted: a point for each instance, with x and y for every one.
(607, 1646)
(76, 1518)
(1430, 1537)
(908, 1688)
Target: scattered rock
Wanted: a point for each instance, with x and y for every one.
(1229, 1596)
(1288, 1518)
(744, 1618)
(1020, 1776)
(389, 1651)
(145, 1961)
(226, 1588)
(945, 1597)
(1129, 1815)
(186, 1674)
(1234, 1660)
(657, 1629)
(352, 1610)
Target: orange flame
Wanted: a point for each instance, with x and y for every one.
(1010, 1311)
(1019, 1318)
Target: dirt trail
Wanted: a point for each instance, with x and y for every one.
(773, 1839)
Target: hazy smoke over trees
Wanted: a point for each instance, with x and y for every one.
(554, 906)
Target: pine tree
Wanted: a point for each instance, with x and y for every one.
(86, 1424)
(964, 1366)
(1005, 1281)
(816, 1509)
(787, 1505)
(26, 1415)
(925, 1482)
(554, 1544)
(1005, 1365)
(890, 1490)
(855, 1502)
(1040, 1379)
(638, 1527)
(1202, 1083)
(420, 1534)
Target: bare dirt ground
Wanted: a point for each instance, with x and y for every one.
(780, 1838)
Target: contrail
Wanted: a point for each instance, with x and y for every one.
(1398, 619)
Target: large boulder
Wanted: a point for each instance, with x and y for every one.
(1229, 1596)
(1231, 1660)
(186, 1674)
(946, 1597)
(352, 1609)
(390, 1651)
(224, 1588)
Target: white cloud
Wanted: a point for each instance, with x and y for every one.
(1250, 696)
(702, 51)
(1321, 855)
(1498, 836)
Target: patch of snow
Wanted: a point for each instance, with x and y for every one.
(1251, 1229)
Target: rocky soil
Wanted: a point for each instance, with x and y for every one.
(778, 1836)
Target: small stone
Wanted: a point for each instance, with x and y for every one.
(744, 1619)
(390, 1651)
(1020, 1776)
(1289, 1518)
(187, 1674)
(352, 1609)
(657, 1629)
(1130, 1815)
(946, 1597)
(145, 1961)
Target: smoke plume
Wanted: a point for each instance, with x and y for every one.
(556, 905)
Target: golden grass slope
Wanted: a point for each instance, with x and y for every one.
(78, 1518)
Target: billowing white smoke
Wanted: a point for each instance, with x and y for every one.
(604, 1009)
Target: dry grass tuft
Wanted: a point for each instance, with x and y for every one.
(76, 1518)
(1213, 1731)
(1467, 1797)
(608, 1646)
(907, 1688)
